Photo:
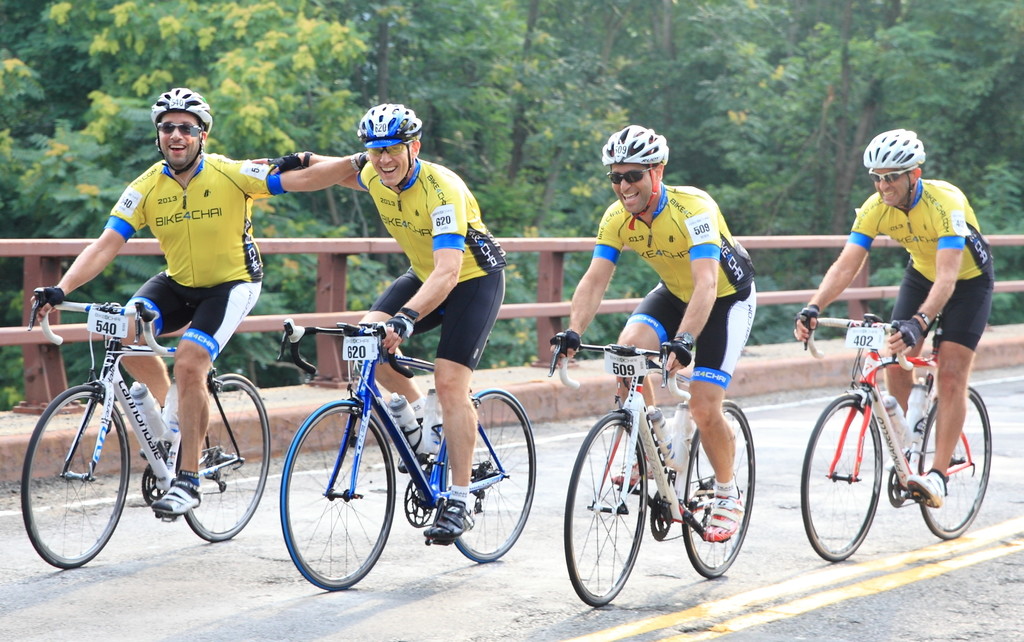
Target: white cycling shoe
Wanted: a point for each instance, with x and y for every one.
(930, 487)
(182, 497)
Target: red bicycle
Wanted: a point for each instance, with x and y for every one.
(842, 471)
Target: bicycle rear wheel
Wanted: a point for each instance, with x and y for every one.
(603, 525)
(838, 504)
(70, 515)
(504, 444)
(237, 448)
(968, 471)
(336, 532)
(712, 559)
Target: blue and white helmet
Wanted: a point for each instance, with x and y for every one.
(635, 144)
(895, 149)
(389, 124)
(182, 99)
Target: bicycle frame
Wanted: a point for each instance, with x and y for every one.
(866, 385)
(636, 408)
(367, 398)
(115, 387)
(161, 460)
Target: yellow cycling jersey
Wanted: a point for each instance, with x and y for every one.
(435, 210)
(687, 225)
(940, 218)
(204, 230)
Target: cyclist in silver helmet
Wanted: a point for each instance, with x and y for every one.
(703, 307)
(950, 273)
(199, 207)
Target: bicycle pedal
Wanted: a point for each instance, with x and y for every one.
(439, 542)
(166, 517)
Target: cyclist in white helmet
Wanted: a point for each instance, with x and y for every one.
(703, 307)
(950, 273)
(199, 207)
(456, 280)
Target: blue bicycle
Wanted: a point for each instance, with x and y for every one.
(338, 487)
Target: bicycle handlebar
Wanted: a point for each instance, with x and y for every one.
(563, 367)
(140, 313)
(294, 334)
(832, 322)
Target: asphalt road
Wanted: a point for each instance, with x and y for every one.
(157, 581)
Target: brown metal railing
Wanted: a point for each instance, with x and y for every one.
(44, 367)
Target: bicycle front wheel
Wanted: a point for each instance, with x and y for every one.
(968, 471)
(840, 483)
(712, 559)
(337, 502)
(605, 511)
(504, 448)
(236, 454)
(71, 508)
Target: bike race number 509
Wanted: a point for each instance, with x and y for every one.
(359, 348)
(623, 366)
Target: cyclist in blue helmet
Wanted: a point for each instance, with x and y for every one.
(456, 280)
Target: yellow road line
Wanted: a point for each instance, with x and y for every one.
(861, 589)
(828, 576)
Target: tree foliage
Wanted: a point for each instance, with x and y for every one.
(767, 105)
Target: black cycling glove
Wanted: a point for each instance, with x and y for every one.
(567, 340)
(808, 313)
(51, 295)
(681, 347)
(910, 331)
(402, 325)
(289, 162)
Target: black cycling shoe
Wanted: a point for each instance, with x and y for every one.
(450, 524)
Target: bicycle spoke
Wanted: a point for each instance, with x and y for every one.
(70, 511)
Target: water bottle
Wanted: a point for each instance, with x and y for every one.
(150, 410)
(172, 433)
(916, 406)
(682, 436)
(899, 422)
(432, 420)
(404, 415)
(657, 420)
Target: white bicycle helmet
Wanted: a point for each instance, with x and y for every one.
(183, 99)
(389, 124)
(635, 144)
(895, 149)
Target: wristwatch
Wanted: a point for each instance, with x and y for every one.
(924, 317)
(686, 339)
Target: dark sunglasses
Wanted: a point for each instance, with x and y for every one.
(184, 128)
(889, 177)
(632, 176)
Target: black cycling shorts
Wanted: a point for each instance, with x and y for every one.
(720, 342)
(964, 316)
(214, 312)
(466, 316)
